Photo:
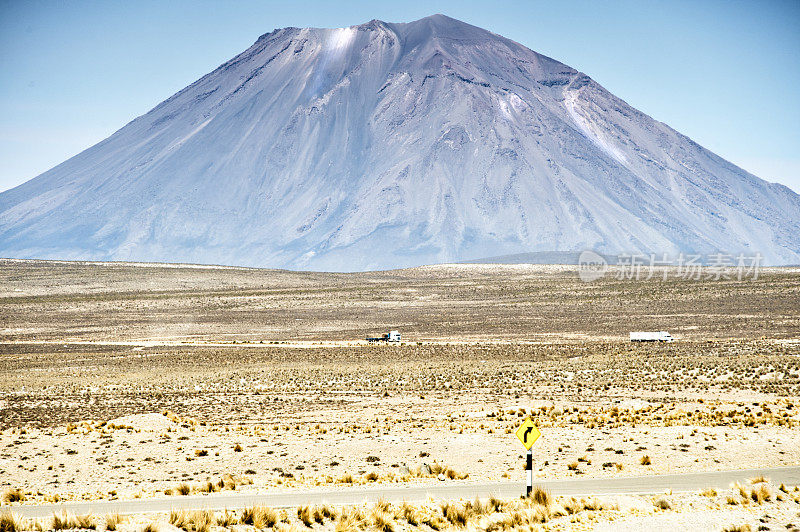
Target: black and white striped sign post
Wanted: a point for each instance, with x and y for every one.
(529, 473)
(528, 434)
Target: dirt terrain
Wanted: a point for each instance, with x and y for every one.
(121, 381)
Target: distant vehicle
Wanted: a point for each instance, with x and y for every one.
(651, 336)
(393, 336)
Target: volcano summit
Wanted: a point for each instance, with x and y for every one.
(390, 145)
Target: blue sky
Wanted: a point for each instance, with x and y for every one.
(725, 73)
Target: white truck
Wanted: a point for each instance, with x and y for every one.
(393, 336)
(651, 336)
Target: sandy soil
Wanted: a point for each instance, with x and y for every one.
(119, 381)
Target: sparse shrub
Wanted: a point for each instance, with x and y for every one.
(179, 519)
(495, 504)
(238, 448)
(761, 493)
(183, 488)
(663, 503)
(86, 522)
(111, 521)
(259, 517)
(9, 522)
(14, 495)
(63, 522)
(382, 521)
(201, 452)
(304, 514)
(645, 460)
(452, 474)
(457, 514)
(573, 466)
(372, 476)
(542, 497)
(573, 506)
(227, 519)
(201, 520)
(738, 528)
(151, 527)
(709, 492)
(409, 513)
(350, 519)
(208, 487)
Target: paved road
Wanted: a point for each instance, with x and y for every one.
(442, 490)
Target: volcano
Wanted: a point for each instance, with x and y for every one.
(389, 145)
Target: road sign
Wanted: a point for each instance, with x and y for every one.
(528, 433)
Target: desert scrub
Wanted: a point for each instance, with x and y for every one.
(645, 460)
(13, 495)
(541, 497)
(382, 520)
(259, 517)
(662, 503)
(112, 520)
(9, 522)
(64, 521)
(304, 515)
(761, 493)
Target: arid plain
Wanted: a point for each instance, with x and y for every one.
(122, 381)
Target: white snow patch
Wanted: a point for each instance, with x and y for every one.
(341, 37)
(590, 129)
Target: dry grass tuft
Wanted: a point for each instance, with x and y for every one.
(152, 527)
(382, 521)
(663, 503)
(304, 514)
(9, 522)
(409, 513)
(495, 504)
(350, 519)
(179, 519)
(111, 521)
(227, 519)
(645, 460)
(63, 522)
(13, 495)
(737, 528)
(86, 522)
(456, 514)
(183, 489)
(541, 497)
(202, 520)
(761, 493)
(709, 492)
(259, 517)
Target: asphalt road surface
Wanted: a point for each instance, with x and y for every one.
(394, 493)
